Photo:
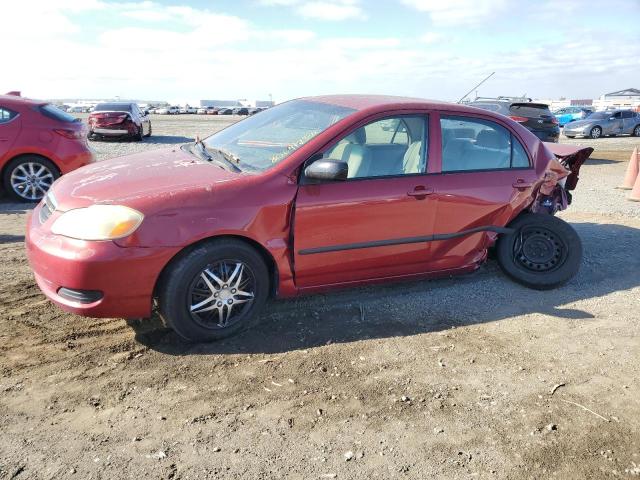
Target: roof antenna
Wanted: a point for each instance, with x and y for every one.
(467, 94)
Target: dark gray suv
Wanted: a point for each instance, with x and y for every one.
(533, 116)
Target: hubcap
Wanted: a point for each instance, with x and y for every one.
(220, 294)
(539, 250)
(595, 133)
(31, 180)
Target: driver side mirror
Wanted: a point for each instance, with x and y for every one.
(327, 169)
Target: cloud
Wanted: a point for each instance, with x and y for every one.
(328, 10)
(74, 50)
(458, 12)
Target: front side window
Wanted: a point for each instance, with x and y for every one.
(389, 147)
(262, 141)
(6, 115)
(475, 144)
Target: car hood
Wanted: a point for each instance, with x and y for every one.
(144, 181)
(579, 123)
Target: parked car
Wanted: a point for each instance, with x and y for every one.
(202, 111)
(599, 124)
(38, 143)
(187, 109)
(212, 110)
(225, 111)
(535, 117)
(253, 111)
(78, 109)
(568, 114)
(119, 119)
(289, 188)
(240, 111)
(172, 110)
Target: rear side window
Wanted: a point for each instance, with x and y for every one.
(7, 115)
(475, 144)
(55, 113)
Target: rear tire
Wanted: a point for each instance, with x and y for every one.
(27, 178)
(200, 298)
(139, 135)
(149, 134)
(543, 252)
(596, 132)
(636, 131)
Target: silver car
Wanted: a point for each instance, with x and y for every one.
(598, 124)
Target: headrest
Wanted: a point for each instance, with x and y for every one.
(358, 136)
(492, 139)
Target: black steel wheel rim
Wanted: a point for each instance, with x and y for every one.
(538, 249)
(221, 294)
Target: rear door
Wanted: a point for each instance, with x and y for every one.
(482, 180)
(376, 223)
(614, 125)
(9, 129)
(629, 121)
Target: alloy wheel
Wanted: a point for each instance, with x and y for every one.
(31, 180)
(221, 293)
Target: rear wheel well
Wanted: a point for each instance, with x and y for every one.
(6, 165)
(264, 253)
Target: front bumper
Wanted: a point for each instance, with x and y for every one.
(125, 276)
(575, 132)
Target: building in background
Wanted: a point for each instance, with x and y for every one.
(627, 98)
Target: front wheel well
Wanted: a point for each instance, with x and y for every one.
(264, 253)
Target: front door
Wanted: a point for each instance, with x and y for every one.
(374, 224)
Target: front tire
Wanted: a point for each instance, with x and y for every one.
(596, 132)
(213, 291)
(27, 178)
(543, 252)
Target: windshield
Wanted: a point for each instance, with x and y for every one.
(601, 115)
(265, 139)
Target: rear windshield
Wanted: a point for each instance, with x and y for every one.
(113, 107)
(492, 107)
(529, 110)
(55, 113)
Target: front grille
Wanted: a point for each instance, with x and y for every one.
(48, 207)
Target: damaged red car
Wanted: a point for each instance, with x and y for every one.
(312, 194)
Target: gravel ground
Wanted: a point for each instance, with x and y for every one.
(471, 377)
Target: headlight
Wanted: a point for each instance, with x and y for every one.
(98, 222)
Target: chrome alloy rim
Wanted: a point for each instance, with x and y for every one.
(221, 293)
(596, 132)
(31, 180)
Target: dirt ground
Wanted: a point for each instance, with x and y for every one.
(469, 377)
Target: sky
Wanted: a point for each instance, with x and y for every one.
(254, 49)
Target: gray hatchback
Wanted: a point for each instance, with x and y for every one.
(599, 124)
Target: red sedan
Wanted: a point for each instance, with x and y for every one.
(312, 194)
(38, 143)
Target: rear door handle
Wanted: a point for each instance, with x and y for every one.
(420, 191)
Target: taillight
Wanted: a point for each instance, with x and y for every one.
(555, 120)
(71, 134)
(518, 119)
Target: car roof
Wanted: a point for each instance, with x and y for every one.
(389, 102)
(16, 100)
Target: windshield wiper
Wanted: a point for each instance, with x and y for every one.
(227, 156)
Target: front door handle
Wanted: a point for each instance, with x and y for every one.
(420, 191)
(520, 184)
